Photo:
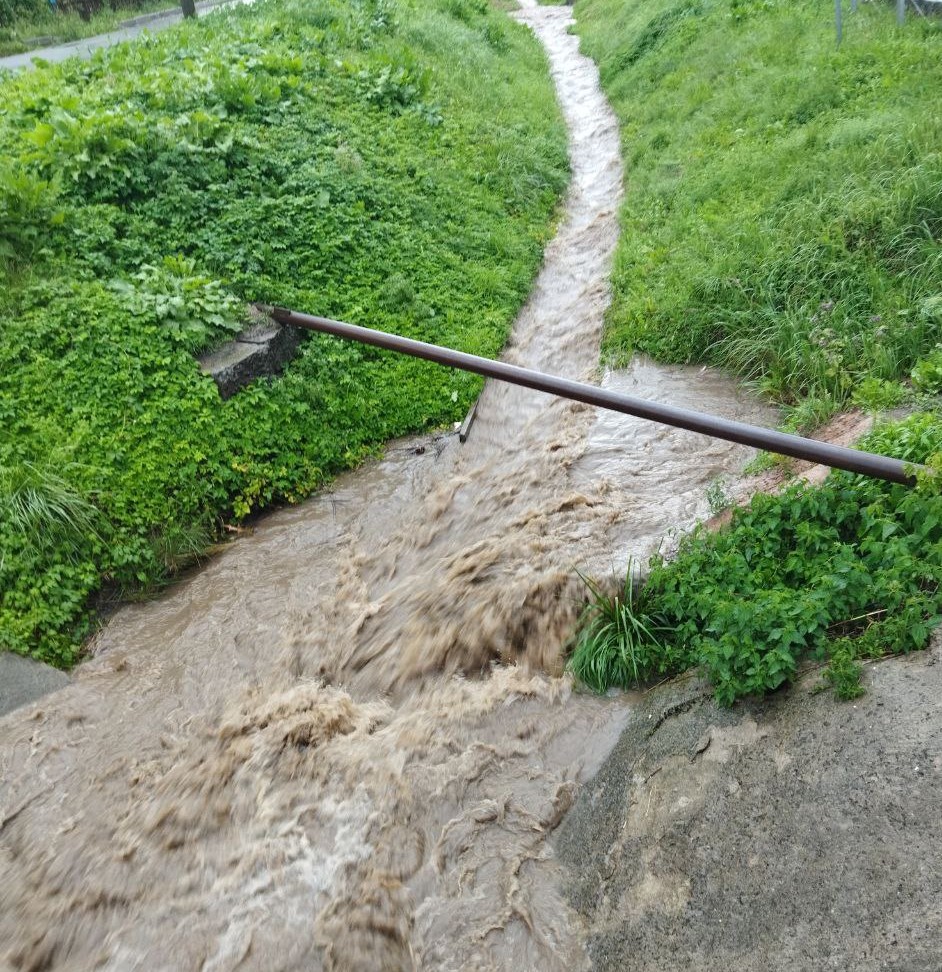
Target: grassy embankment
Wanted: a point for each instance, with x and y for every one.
(783, 219)
(28, 24)
(391, 162)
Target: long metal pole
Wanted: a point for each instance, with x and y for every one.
(839, 457)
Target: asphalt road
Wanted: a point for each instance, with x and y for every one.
(85, 48)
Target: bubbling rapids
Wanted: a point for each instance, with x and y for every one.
(344, 743)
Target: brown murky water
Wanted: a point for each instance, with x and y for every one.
(343, 744)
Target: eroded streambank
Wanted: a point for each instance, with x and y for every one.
(345, 743)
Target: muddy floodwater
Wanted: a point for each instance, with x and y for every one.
(344, 743)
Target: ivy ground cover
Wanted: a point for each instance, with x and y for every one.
(396, 163)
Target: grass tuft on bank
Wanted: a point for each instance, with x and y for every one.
(396, 163)
(783, 219)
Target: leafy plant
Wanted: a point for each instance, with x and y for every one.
(844, 671)
(927, 374)
(846, 571)
(191, 307)
(717, 497)
(29, 210)
(876, 395)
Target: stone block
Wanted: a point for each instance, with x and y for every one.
(260, 351)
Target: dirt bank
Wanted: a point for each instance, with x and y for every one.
(797, 833)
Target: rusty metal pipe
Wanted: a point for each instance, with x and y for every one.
(838, 457)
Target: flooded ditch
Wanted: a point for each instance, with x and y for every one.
(344, 743)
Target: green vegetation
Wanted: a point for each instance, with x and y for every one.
(783, 219)
(846, 571)
(28, 24)
(391, 162)
(784, 208)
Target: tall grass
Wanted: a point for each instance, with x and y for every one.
(783, 210)
(619, 641)
(44, 509)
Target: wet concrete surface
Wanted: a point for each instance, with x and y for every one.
(797, 833)
(23, 680)
(87, 46)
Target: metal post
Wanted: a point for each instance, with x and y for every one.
(839, 457)
(901, 12)
(838, 23)
(853, 6)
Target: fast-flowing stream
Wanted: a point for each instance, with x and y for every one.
(344, 743)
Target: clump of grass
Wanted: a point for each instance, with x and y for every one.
(618, 638)
(44, 509)
(718, 497)
(874, 395)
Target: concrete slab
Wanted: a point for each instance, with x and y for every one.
(795, 833)
(260, 351)
(23, 680)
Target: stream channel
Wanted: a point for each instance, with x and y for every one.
(345, 743)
